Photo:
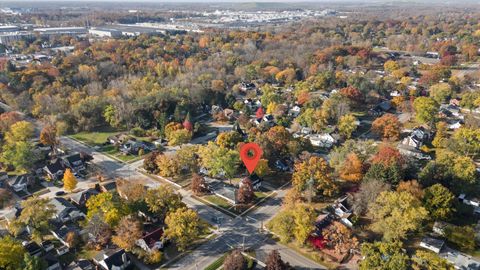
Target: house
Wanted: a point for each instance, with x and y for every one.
(65, 211)
(61, 233)
(432, 244)
(268, 118)
(116, 261)
(21, 182)
(453, 125)
(417, 138)
(381, 108)
(343, 211)
(33, 249)
(118, 138)
(434, 55)
(55, 170)
(81, 198)
(460, 260)
(151, 241)
(294, 111)
(3, 179)
(324, 140)
(52, 262)
(245, 86)
(282, 166)
(411, 151)
(439, 227)
(47, 245)
(74, 162)
(222, 190)
(470, 201)
(254, 179)
(108, 187)
(81, 265)
(132, 147)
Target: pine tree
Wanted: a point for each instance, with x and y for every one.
(69, 181)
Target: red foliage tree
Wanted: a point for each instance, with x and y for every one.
(245, 193)
(260, 113)
(387, 156)
(352, 93)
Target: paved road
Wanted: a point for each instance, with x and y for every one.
(239, 232)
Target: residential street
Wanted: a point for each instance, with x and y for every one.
(239, 232)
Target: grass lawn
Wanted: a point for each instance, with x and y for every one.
(219, 262)
(220, 202)
(278, 179)
(86, 253)
(94, 138)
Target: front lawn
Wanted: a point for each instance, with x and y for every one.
(94, 138)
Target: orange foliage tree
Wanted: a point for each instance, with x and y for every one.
(387, 126)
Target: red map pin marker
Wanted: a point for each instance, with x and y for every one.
(250, 154)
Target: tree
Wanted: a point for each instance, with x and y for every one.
(72, 239)
(36, 213)
(259, 113)
(229, 139)
(128, 231)
(99, 231)
(131, 191)
(283, 225)
(368, 193)
(427, 260)
(395, 214)
(391, 66)
(352, 168)
(461, 237)
(384, 256)
(183, 226)
(352, 93)
(168, 165)
(199, 185)
(33, 263)
(440, 139)
(440, 92)
(179, 137)
(340, 238)
(69, 181)
(347, 125)
(314, 175)
(7, 120)
(48, 136)
(163, 200)
(11, 253)
(218, 160)
(235, 261)
(262, 168)
(245, 193)
(412, 187)
(425, 109)
(19, 154)
(107, 205)
(387, 126)
(439, 201)
(149, 163)
(304, 220)
(274, 262)
(467, 141)
(20, 132)
(388, 156)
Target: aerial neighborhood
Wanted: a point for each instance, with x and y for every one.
(121, 141)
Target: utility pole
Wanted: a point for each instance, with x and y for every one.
(310, 189)
(243, 244)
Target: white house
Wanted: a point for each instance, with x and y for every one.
(432, 244)
(322, 140)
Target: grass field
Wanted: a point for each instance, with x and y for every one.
(94, 138)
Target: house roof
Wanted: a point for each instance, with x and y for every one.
(433, 242)
(81, 265)
(152, 237)
(83, 195)
(116, 259)
(32, 248)
(63, 231)
(18, 180)
(64, 208)
(73, 158)
(54, 167)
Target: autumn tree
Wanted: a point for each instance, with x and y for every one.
(235, 261)
(340, 238)
(262, 169)
(391, 66)
(395, 214)
(461, 236)
(425, 110)
(36, 214)
(150, 163)
(218, 160)
(245, 193)
(131, 191)
(347, 125)
(33, 262)
(199, 186)
(352, 168)
(304, 219)
(7, 119)
(183, 227)
(367, 194)
(107, 205)
(167, 165)
(69, 181)
(99, 231)
(412, 187)
(352, 94)
(11, 253)
(229, 139)
(17, 149)
(163, 200)
(48, 136)
(384, 255)
(427, 260)
(440, 92)
(314, 175)
(438, 200)
(387, 126)
(441, 137)
(127, 232)
(274, 262)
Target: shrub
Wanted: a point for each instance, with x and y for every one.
(137, 131)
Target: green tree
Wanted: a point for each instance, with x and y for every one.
(283, 225)
(425, 109)
(183, 226)
(467, 141)
(109, 206)
(440, 92)
(461, 237)
(438, 201)
(218, 160)
(384, 256)
(33, 263)
(347, 125)
(314, 176)
(426, 260)
(163, 200)
(11, 253)
(20, 154)
(36, 213)
(179, 137)
(395, 214)
(440, 139)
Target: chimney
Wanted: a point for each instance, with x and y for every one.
(124, 257)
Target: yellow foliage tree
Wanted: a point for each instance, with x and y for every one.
(69, 181)
(352, 169)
